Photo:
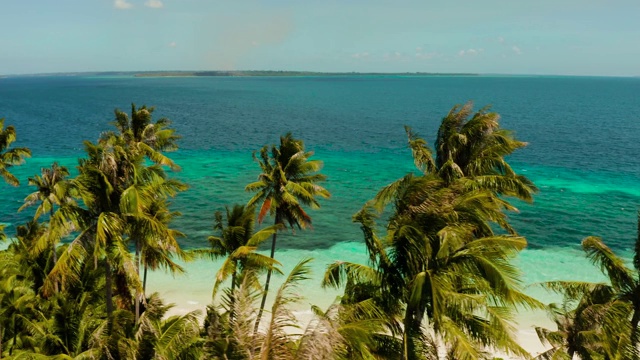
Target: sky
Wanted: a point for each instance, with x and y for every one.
(546, 37)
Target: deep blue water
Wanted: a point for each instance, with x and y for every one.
(583, 135)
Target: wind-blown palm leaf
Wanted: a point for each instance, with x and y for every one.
(10, 157)
(600, 255)
(287, 182)
(175, 334)
(276, 341)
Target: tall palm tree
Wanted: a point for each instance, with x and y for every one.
(149, 220)
(144, 137)
(289, 180)
(440, 261)
(52, 190)
(450, 274)
(10, 157)
(121, 193)
(238, 243)
(112, 199)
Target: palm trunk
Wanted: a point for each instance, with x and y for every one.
(138, 272)
(15, 336)
(233, 294)
(54, 255)
(266, 285)
(108, 295)
(635, 319)
(407, 338)
(144, 281)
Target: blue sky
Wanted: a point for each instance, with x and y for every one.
(571, 37)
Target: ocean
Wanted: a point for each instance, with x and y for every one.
(582, 154)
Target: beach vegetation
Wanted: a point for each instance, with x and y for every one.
(440, 281)
(289, 180)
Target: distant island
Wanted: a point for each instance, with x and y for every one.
(232, 73)
(241, 73)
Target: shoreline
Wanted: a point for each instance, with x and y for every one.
(192, 291)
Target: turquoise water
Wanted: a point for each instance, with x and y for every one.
(583, 152)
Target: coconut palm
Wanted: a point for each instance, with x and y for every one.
(288, 181)
(102, 181)
(592, 323)
(473, 148)
(623, 287)
(624, 281)
(120, 193)
(145, 136)
(440, 260)
(148, 223)
(160, 337)
(16, 301)
(238, 243)
(158, 249)
(462, 285)
(52, 190)
(19, 272)
(10, 157)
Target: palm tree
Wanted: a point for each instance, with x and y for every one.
(148, 223)
(155, 250)
(624, 285)
(289, 180)
(10, 157)
(238, 242)
(121, 195)
(475, 149)
(145, 136)
(160, 337)
(440, 261)
(16, 300)
(462, 284)
(53, 190)
(109, 198)
(588, 324)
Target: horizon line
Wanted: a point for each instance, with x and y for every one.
(135, 72)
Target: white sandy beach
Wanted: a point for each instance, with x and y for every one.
(192, 291)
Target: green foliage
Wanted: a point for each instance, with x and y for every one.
(597, 320)
(289, 180)
(439, 266)
(10, 157)
(439, 283)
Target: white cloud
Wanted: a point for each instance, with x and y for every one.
(470, 52)
(361, 55)
(173, 44)
(516, 50)
(156, 4)
(122, 4)
(500, 39)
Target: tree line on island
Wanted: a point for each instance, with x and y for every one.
(439, 282)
